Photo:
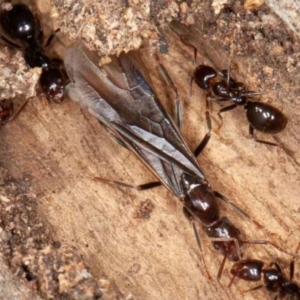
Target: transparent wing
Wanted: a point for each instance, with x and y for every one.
(119, 96)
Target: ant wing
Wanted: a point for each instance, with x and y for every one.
(120, 97)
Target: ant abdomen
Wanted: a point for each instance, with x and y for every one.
(248, 269)
(265, 118)
(19, 22)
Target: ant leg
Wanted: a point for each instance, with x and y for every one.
(40, 36)
(178, 108)
(207, 136)
(227, 201)
(254, 288)
(277, 266)
(51, 37)
(224, 109)
(119, 141)
(292, 269)
(227, 240)
(141, 187)
(228, 71)
(113, 137)
(220, 271)
(195, 53)
(292, 264)
(191, 218)
(9, 42)
(18, 111)
(265, 242)
(191, 87)
(251, 132)
(231, 281)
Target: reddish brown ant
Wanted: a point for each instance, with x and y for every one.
(274, 278)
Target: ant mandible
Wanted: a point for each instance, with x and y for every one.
(262, 117)
(19, 23)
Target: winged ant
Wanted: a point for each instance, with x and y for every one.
(119, 96)
(6, 112)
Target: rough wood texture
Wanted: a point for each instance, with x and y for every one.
(141, 240)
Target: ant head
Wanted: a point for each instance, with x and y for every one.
(52, 83)
(291, 288)
(203, 75)
(19, 22)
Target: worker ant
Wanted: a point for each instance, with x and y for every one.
(274, 278)
(262, 117)
(19, 23)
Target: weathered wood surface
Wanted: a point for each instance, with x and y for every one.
(57, 150)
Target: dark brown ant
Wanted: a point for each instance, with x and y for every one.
(19, 24)
(274, 278)
(261, 116)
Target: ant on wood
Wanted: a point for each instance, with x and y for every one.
(182, 174)
(274, 278)
(262, 117)
(19, 24)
